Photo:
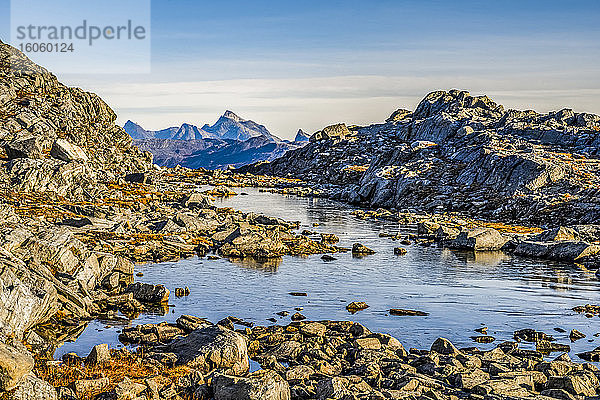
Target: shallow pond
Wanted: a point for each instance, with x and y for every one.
(460, 291)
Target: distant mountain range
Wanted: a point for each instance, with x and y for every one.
(231, 140)
(228, 126)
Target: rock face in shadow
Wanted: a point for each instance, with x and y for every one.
(463, 153)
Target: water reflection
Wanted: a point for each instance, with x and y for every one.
(262, 264)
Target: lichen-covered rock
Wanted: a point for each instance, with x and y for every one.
(63, 150)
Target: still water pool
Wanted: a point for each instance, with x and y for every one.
(460, 291)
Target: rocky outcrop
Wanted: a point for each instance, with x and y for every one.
(56, 135)
(460, 153)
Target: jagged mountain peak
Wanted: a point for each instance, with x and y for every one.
(231, 115)
(301, 136)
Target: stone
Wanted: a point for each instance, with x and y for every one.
(357, 306)
(14, 365)
(361, 250)
(557, 234)
(299, 373)
(547, 347)
(210, 348)
(33, 388)
(66, 151)
(403, 312)
(259, 385)
(286, 350)
(426, 228)
(593, 355)
(481, 239)
(85, 387)
(298, 317)
(470, 378)
(501, 387)
(147, 293)
(369, 343)
(26, 298)
(582, 383)
(531, 335)
(337, 131)
(313, 329)
(444, 346)
(561, 250)
(196, 200)
(190, 323)
(99, 355)
(128, 389)
(483, 339)
(25, 147)
(399, 251)
(576, 335)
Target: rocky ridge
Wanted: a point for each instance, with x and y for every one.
(463, 154)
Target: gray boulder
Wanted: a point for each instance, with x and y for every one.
(444, 346)
(563, 250)
(66, 151)
(196, 200)
(211, 348)
(259, 385)
(27, 297)
(25, 147)
(481, 239)
(337, 131)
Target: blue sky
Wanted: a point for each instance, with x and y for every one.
(291, 64)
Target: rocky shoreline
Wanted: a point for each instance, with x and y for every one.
(195, 359)
(79, 204)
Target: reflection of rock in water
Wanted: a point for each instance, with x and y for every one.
(262, 264)
(48, 337)
(489, 258)
(155, 309)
